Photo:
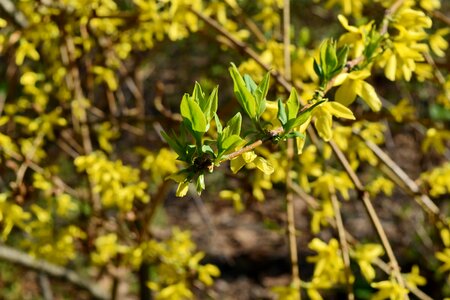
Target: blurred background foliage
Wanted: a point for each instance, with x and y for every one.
(87, 86)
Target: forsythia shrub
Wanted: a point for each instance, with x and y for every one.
(87, 149)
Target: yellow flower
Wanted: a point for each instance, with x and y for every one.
(26, 49)
(437, 180)
(414, 279)
(436, 139)
(355, 37)
(352, 85)
(324, 117)
(389, 289)
(251, 160)
(353, 7)
(438, 43)
(365, 254)
(234, 196)
(430, 5)
(321, 216)
(380, 184)
(407, 48)
(329, 266)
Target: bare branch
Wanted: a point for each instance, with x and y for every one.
(17, 257)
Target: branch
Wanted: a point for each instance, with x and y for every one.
(17, 257)
(440, 16)
(290, 208)
(388, 16)
(243, 47)
(10, 8)
(314, 204)
(371, 212)
(343, 243)
(341, 157)
(407, 183)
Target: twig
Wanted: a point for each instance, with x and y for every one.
(407, 183)
(17, 15)
(290, 209)
(343, 243)
(243, 150)
(371, 212)
(243, 47)
(248, 22)
(437, 73)
(144, 277)
(45, 286)
(314, 204)
(28, 157)
(203, 211)
(17, 257)
(440, 16)
(343, 160)
(388, 16)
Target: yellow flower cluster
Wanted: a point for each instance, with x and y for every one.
(437, 180)
(407, 46)
(176, 261)
(328, 269)
(118, 185)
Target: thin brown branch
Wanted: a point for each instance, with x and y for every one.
(406, 182)
(388, 16)
(290, 209)
(243, 150)
(437, 73)
(314, 204)
(371, 212)
(441, 17)
(14, 256)
(243, 47)
(46, 288)
(343, 243)
(341, 157)
(10, 8)
(248, 22)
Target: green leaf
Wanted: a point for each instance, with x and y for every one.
(439, 112)
(330, 56)
(191, 151)
(295, 134)
(235, 124)
(174, 144)
(261, 93)
(200, 186)
(218, 124)
(249, 83)
(231, 142)
(197, 94)
(209, 105)
(297, 121)
(302, 118)
(208, 149)
(243, 95)
(282, 117)
(342, 57)
(191, 111)
(323, 57)
(318, 70)
(214, 101)
(292, 104)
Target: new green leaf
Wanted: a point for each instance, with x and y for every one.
(191, 111)
(243, 95)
